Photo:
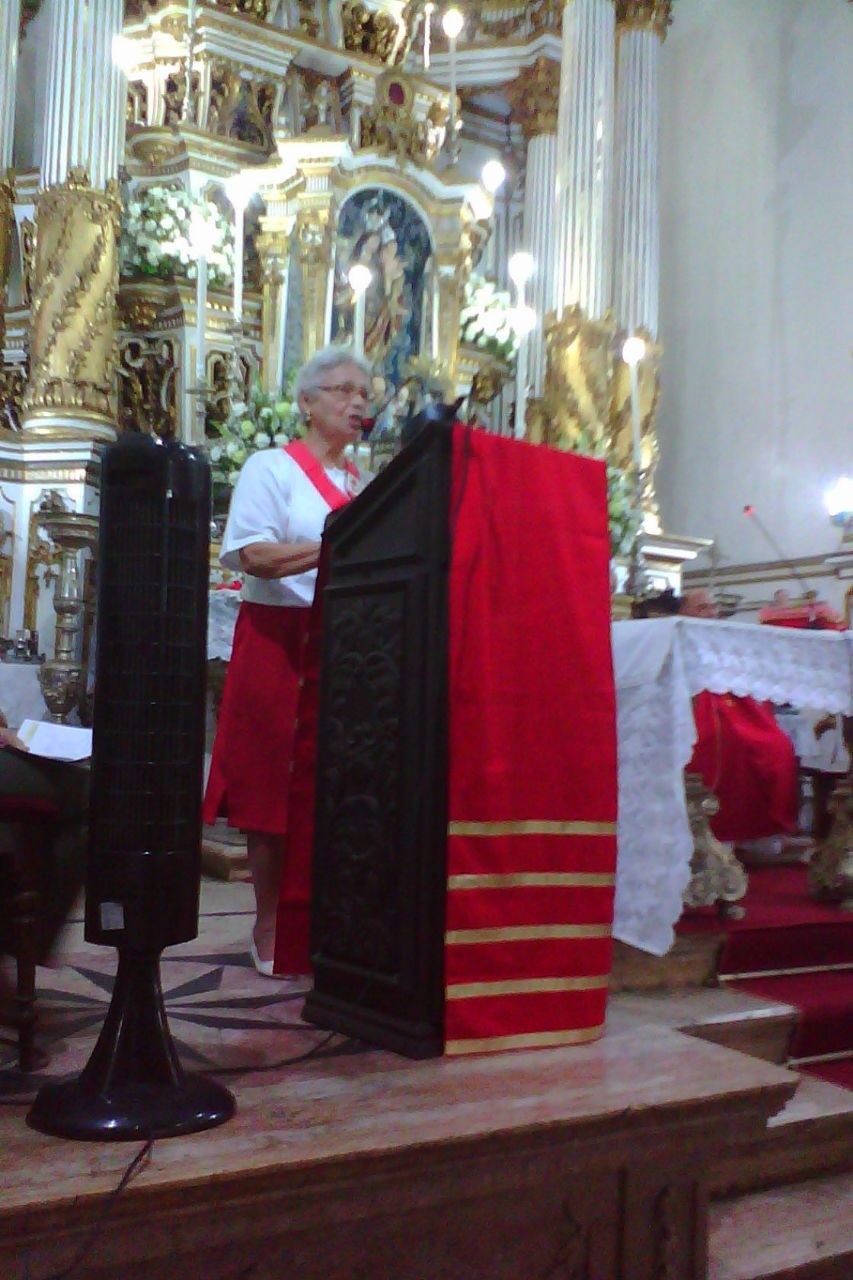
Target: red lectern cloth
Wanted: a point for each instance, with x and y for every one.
(532, 779)
(748, 762)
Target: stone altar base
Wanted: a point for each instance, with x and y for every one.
(587, 1163)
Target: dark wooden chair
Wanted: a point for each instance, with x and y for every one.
(24, 866)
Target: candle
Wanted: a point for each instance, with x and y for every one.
(636, 428)
(239, 222)
(201, 320)
(358, 325)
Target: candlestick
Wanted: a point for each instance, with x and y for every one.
(636, 426)
(358, 326)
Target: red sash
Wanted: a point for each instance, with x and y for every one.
(316, 473)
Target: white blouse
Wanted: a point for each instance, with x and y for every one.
(274, 501)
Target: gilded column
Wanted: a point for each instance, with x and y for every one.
(315, 238)
(10, 17)
(640, 30)
(274, 251)
(534, 96)
(75, 276)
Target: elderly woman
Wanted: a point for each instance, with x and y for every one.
(275, 523)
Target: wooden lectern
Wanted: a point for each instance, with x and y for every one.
(462, 885)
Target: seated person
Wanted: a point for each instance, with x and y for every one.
(62, 871)
(743, 757)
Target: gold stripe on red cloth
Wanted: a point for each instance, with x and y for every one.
(533, 1040)
(531, 827)
(525, 933)
(525, 986)
(533, 880)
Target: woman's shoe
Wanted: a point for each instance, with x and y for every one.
(264, 967)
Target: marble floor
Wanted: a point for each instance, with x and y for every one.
(225, 1019)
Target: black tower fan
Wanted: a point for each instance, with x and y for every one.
(142, 882)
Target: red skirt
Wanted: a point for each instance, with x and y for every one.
(250, 770)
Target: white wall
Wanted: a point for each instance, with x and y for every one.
(757, 270)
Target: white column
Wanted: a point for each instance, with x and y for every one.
(637, 265)
(584, 157)
(84, 126)
(10, 17)
(539, 240)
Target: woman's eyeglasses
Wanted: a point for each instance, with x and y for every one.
(348, 391)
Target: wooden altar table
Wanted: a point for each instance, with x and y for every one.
(660, 664)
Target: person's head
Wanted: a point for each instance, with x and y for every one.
(334, 393)
(699, 603)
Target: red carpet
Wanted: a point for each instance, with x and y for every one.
(783, 933)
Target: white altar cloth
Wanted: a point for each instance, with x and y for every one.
(659, 665)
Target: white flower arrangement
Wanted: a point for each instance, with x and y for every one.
(486, 319)
(264, 421)
(155, 236)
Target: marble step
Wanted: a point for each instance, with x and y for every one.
(751, 1024)
(812, 1135)
(801, 1232)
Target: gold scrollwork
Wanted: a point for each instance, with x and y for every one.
(257, 9)
(240, 108)
(534, 97)
(308, 24)
(28, 258)
(393, 132)
(13, 381)
(147, 386)
(367, 31)
(72, 314)
(581, 358)
(7, 220)
(644, 15)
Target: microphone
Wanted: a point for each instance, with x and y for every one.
(750, 512)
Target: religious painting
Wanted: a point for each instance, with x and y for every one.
(379, 228)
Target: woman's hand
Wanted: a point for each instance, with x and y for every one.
(279, 559)
(8, 738)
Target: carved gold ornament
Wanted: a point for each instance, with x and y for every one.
(716, 875)
(534, 97)
(644, 15)
(581, 360)
(308, 23)
(13, 382)
(391, 127)
(28, 258)
(147, 389)
(73, 311)
(7, 222)
(367, 31)
(831, 865)
(241, 108)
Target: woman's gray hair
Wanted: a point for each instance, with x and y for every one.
(312, 373)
